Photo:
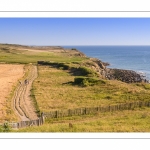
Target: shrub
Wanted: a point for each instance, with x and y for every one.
(87, 81)
(78, 80)
(5, 127)
(74, 49)
(63, 66)
(84, 71)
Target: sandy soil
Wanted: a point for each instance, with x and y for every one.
(9, 75)
(23, 104)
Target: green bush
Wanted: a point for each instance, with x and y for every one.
(63, 66)
(5, 127)
(84, 71)
(78, 80)
(87, 81)
(74, 49)
(147, 86)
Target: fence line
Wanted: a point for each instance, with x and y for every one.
(23, 124)
(78, 112)
(92, 110)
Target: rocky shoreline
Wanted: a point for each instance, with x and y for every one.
(128, 76)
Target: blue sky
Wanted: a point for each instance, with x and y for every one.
(75, 31)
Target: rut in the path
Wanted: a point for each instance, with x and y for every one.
(22, 102)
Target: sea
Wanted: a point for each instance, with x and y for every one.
(136, 58)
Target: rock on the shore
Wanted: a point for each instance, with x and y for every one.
(127, 76)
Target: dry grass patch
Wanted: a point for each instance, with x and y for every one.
(9, 76)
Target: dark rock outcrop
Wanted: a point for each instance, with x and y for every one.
(128, 76)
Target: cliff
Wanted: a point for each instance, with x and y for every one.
(128, 76)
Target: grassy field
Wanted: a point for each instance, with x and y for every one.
(31, 57)
(54, 89)
(21, 56)
(122, 121)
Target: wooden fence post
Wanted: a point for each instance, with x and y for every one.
(130, 105)
(89, 110)
(85, 111)
(38, 122)
(42, 117)
(56, 113)
(81, 111)
(109, 108)
(140, 104)
(69, 113)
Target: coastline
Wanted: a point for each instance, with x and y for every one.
(123, 57)
(124, 75)
(94, 63)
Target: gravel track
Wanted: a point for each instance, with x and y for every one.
(22, 102)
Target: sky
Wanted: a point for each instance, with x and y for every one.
(75, 31)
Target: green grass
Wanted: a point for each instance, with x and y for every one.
(136, 120)
(32, 57)
(54, 90)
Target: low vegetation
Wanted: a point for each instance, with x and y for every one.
(57, 89)
(21, 55)
(84, 71)
(84, 81)
(136, 120)
(66, 82)
(5, 127)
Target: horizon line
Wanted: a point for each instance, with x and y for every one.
(71, 45)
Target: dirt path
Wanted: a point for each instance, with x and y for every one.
(22, 102)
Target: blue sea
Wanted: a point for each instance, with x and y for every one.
(135, 58)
